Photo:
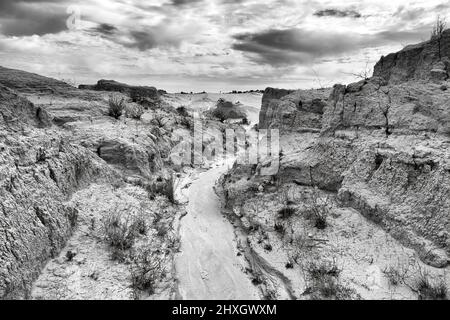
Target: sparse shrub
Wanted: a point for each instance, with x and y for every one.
(318, 271)
(173, 242)
(289, 265)
(70, 255)
(140, 225)
(116, 106)
(161, 230)
(325, 282)
(318, 210)
(219, 114)
(147, 268)
(134, 111)
(280, 228)
(438, 28)
(158, 217)
(270, 294)
(120, 232)
(117, 231)
(429, 290)
(395, 274)
(182, 111)
(257, 280)
(286, 212)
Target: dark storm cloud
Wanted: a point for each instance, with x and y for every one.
(291, 45)
(296, 46)
(105, 29)
(338, 13)
(178, 3)
(28, 17)
(143, 40)
(156, 36)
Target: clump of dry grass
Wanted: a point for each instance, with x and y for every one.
(318, 210)
(325, 284)
(430, 290)
(279, 228)
(134, 111)
(120, 231)
(116, 106)
(147, 267)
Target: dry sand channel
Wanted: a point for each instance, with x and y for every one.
(208, 267)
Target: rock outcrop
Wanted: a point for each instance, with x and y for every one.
(38, 172)
(293, 110)
(25, 82)
(136, 92)
(45, 168)
(381, 145)
(429, 60)
(269, 95)
(17, 111)
(376, 105)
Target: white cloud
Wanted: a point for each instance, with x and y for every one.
(182, 45)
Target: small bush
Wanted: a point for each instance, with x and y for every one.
(325, 282)
(182, 111)
(286, 212)
(121, 231)
(318, 211)
(279, 228)
(147, 268)
(318, 271)
(161, 230)
(134, 111)
(257, 280)
(116, 106)
(428, 290)
(70, 255)
(140, 225)
(220, 114)
(118, 232)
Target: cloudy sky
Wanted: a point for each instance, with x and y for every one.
(212, 45)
